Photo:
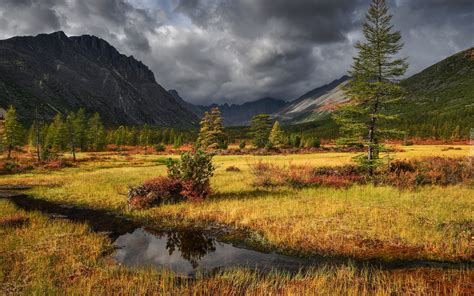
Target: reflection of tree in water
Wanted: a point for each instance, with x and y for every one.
(193, 245)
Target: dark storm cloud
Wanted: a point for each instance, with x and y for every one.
(301, 20)
(239, 50)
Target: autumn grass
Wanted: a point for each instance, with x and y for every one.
(363, 222)
(51, 257)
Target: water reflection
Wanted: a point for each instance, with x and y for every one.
(187, 252)
(193, 245)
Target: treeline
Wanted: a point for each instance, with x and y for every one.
(149, 136)
(264, 132)
(75, 131)
(78, 131)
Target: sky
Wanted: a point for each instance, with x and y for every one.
(216, 51)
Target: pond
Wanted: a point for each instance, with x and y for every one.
(190, 251)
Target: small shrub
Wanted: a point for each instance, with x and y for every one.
(195, 191)
(188, 179)
(401, 174)
(313, 143)
(336, 181)
(265, 174)
(160, 147)
(194, 171)
(242, 145)
(14, 167)
(154, 192)
(297, 176)
(140, 198)
(405, 174)
(56, 164)
(165, 189)
(232, 169)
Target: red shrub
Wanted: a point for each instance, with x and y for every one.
(56, 164)
(266, 174)
(164, 189)
(194, 191)
(406, 174)
(336, 181)
(300, 176)
(141, 202)
(297, 176)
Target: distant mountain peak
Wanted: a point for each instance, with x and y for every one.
(54, 72)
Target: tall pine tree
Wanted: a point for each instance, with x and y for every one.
(374, 84)
(276, 136)
(71, 125)
(12, 131)
(211, 134)
(260, 127)
(96, 136)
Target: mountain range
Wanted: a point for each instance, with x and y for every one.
(439, 102)
(235, 114)
(55, 73)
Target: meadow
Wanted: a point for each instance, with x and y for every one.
(362, 222)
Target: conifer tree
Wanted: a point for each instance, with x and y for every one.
(144, 138)
(276, 136)
(12, 131)
(374, 84)
(178, 141)
(71, 125)
(260, 127)
(96, 136)
(80, 129)
(211, 133)
(62, 135)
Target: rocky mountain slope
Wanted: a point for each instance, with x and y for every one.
(439, 102)
(55, 73)
(316, 103)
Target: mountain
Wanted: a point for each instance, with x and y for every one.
(240, 115)
(195, 109)
(439, 102)
(235, 114)
(56, 73)
(440, 99)
(316, 103)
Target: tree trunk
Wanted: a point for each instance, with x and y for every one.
(372, 139)
(73, 150)
(373, 120)
(38, 153)
(10, 151)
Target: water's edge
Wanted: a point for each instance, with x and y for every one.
(188, 251)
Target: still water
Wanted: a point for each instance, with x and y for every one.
(188, 252)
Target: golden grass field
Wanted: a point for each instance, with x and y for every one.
(362, 222)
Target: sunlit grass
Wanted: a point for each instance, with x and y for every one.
(51, 257)
(362, 221)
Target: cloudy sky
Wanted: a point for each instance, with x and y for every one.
(242, 50)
